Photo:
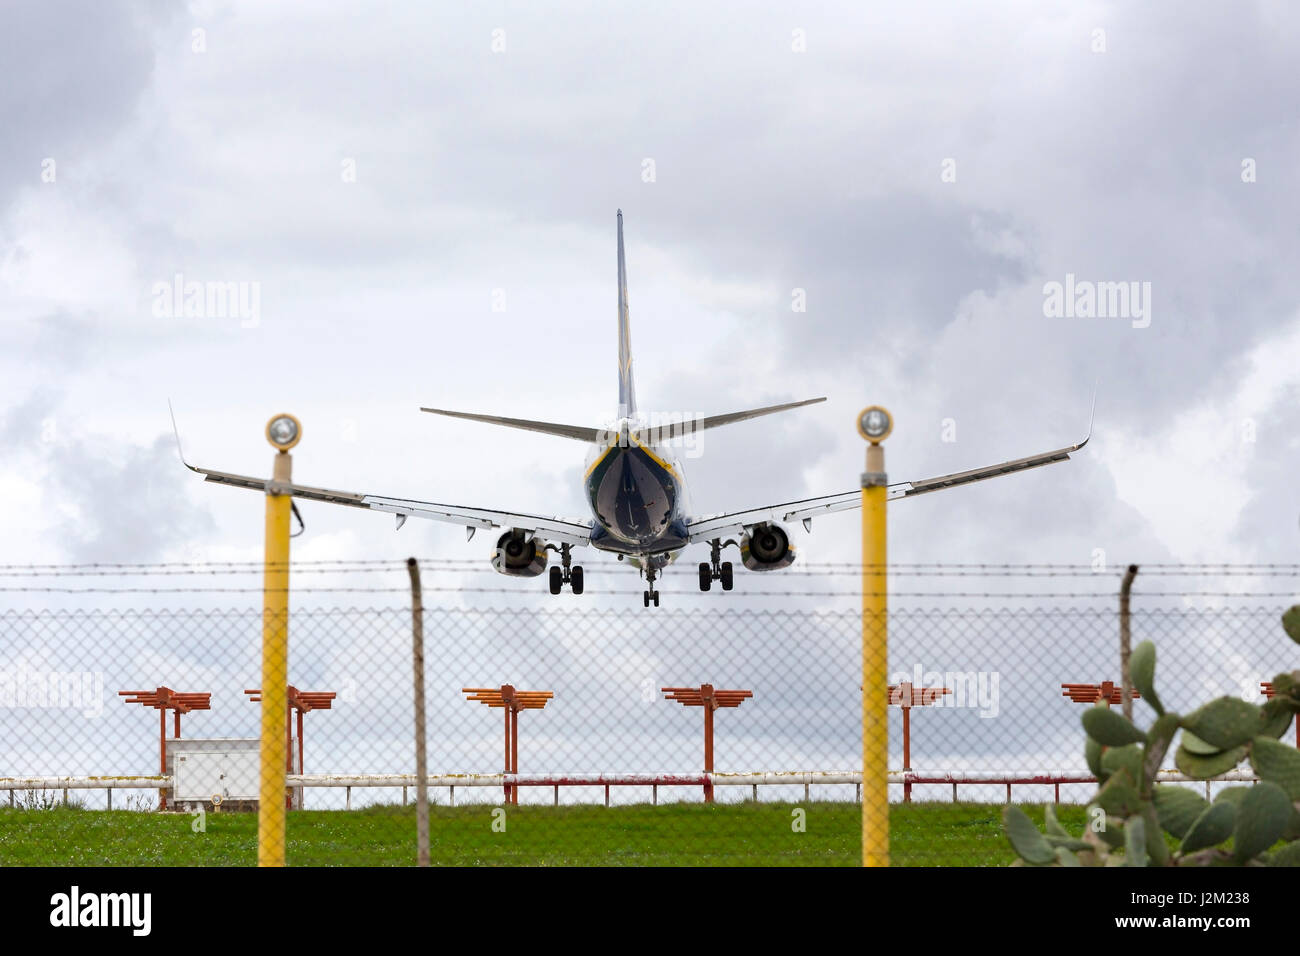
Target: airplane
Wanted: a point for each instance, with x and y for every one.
(636, 491)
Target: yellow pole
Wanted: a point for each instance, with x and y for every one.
(275, 668)
(874, 425)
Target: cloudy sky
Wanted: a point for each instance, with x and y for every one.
(866, 203)
(383, 182)
(388, 184)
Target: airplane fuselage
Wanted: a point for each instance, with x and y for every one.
(637, 495)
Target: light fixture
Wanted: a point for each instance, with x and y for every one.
(875, 424)
(283, 431)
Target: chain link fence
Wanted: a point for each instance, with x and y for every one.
(558, 734)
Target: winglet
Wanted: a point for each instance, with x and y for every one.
(177, 432)
(1092, 414)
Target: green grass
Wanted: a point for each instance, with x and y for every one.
(923, 834)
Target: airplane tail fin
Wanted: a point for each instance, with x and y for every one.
(626, 389)
(626, 392)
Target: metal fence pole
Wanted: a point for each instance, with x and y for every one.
(275, 652)
(874, 425)
(421, 765)
(1126, 685)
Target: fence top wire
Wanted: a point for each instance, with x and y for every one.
(752, 593)
(131, 579)
(403, 611)
(382, 565)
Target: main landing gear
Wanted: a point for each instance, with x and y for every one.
(715, 569)
(568, 573)
(651, 596)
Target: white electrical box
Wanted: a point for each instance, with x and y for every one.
(216, 770)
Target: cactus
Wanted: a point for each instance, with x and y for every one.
(1262, 817)
(1224, 723)
(1142, 668)
(1262, 821)
(1278, 763)
(1291, 623)
(1109, 728)
(1177, 807)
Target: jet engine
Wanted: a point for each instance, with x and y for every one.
(766, 547)
(519, 556)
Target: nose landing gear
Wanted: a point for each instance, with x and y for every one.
(715, 569)
(568, 573)
(650, 596)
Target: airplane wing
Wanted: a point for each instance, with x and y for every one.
(707, 528)
(553, 529)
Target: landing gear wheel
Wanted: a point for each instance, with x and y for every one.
(557, 580)
(651, 572)
(706, 576)
(718, 569)
(575, 579)
(645, 596)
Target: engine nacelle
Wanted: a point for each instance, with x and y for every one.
(519, 556)
(766, 547)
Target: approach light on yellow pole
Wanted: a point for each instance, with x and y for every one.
(283, 432)
(875, 424)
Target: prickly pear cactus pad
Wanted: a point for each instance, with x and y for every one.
(1134, 819)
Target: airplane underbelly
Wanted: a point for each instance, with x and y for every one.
(635, 500)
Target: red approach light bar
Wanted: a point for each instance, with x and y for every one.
(710, 699)
(298, 703)
(164, 699)
(907, 696)
(512, 701)
(1107, 691)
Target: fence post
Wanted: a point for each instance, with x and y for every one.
(1126, 685)
(874, 425)
(283, 432)
(421, 764)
